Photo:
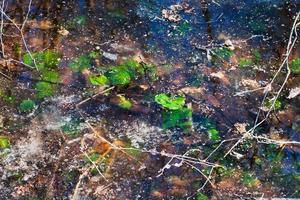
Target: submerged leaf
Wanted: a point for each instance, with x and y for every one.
(170, 102)
(71, 128)
(94, 54)
(257, 55)
(4, 142)
(245, 62)
(43, 60)
(124, 103)
(213, 134)
(44, 89)
(80, 20)
(80, 63)
(118, 76)
(151, 71)
(98, 80)
(134, 68)
(27, 105)
(277, 104)
(248, 180)
(201, 196)
(50, 76)
(177, 118)
(50, 58)
(223, 53)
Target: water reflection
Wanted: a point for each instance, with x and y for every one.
(137, 29)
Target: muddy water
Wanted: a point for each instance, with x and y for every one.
(46, 156)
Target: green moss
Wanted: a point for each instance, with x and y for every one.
(177, 118)
(273, 154)
(170, 102)
(99, 80)
(248, 180)
(183, 28)
(50, 76)
(94, 54)
(295, 66)
(44, 89)
(134, 68)
(258, 161)
(151, 71)
(213, 134)
(26, 105)
(4, 142)
(257, 55)
(222, 53)
(80, 63)
(44, 60)
(124, 103)
(118, 76)
(81, 20)
(245, 62)
(226, 171)
(7, 98)
(50, 59)
(277, 105)
(84, 61)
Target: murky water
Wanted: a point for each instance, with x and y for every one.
(207, 51)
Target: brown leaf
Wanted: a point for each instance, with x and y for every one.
(213, 100)
(253, 84)
(221, 76)
(194, 92)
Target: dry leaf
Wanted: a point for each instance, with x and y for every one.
(63, 31)
(193, 92)
(268, 88)
(241, 127)
(253, 84)
(171, 15)
(110, 56)
(294, 92)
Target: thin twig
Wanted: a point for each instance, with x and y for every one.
(290, 46)
(94, 96)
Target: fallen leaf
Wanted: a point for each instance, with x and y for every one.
(253, 84)
(294, 92)
(63, 31)
(44, 24)
(213, 100)
(171, 15)
(110, 56)
(193, 92)
(221, 76)
(241, 127)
